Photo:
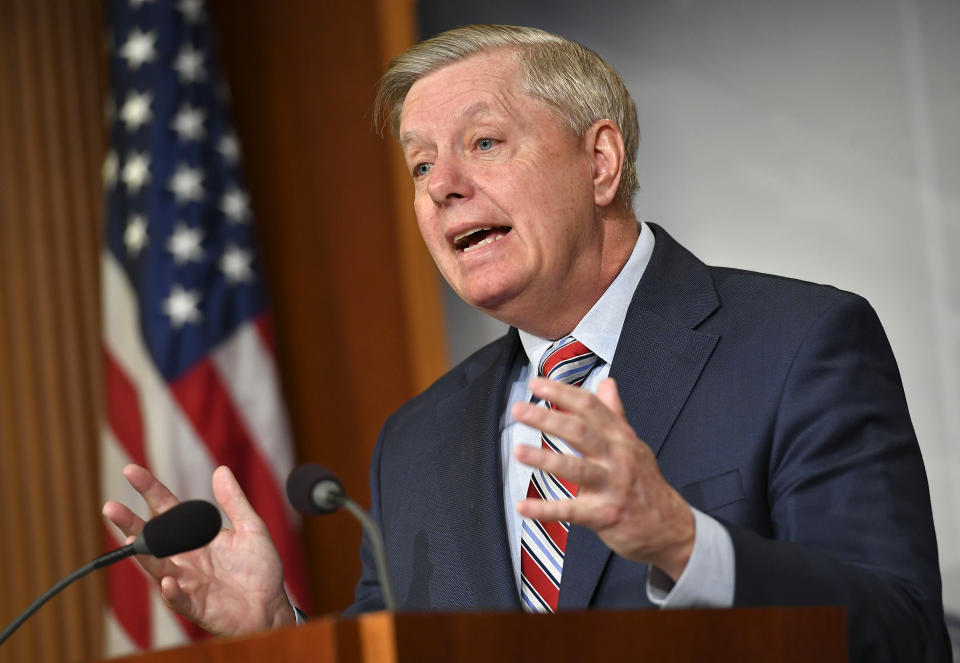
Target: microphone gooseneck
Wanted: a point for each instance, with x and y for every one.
(186, 526)
(314, 490)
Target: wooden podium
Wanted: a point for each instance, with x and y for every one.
(772, 635)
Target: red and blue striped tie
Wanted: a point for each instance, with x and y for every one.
(542, 544)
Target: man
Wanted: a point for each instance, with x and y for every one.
(729, 438)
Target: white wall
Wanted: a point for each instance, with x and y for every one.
(816, 139)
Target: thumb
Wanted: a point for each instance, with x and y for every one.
(234, 502)
(174, 597)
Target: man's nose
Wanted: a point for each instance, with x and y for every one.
(448, 181)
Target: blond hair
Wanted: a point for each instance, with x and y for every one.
(571, 78)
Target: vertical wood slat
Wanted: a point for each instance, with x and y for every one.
(419, 278)
(14, 559)
(50, 91)
(36, 538)
(48, 251)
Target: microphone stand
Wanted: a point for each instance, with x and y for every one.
(379, 554)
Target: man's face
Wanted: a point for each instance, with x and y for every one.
(503, 189)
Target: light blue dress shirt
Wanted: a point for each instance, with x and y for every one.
(708, 579)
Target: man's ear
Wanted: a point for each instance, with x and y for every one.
(605, 144)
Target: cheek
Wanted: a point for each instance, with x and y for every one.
(426, 220)
(432, 235)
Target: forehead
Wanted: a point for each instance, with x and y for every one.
(488, 82)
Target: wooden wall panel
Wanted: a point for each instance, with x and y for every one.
(355, 294)
(51, 92)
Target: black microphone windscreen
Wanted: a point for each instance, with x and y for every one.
(301, 484)
(187, 526)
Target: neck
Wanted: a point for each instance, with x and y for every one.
(559, 317)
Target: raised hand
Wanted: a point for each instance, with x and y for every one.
(233, 585)
(623, 496)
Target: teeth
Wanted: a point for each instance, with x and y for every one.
(483, 242)
(470, 232)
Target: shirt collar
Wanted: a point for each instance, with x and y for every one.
(600, 328)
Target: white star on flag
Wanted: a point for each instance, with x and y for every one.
(229, 148)
(187, 184)
(136, 110)
(235, 264)
(135, 235)
(136, 171)
(184, 244)
(188, 123)
(181, 306)
(192, 10)
(110, 168)
(140, 47)
(189, 65)
(236, 205)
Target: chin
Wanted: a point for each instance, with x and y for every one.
(490, 300)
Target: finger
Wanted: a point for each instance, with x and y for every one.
(157, 496)
(131, 525)
(123, 517)
(574, 400)
(609, 395)
(568, 426)
(578, 470)
(230, 496)
(550, 510)
(562, 395)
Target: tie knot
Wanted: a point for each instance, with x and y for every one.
(568, 360)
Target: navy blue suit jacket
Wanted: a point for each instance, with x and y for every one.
(774, 405)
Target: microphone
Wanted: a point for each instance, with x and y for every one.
(313, 490)
(186, 526)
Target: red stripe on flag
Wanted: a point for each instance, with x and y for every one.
(128, 592)
(264, 327)
(123, 410)
(206, 402)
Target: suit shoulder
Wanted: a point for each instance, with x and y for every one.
(764, 310)
(456, 378)
(746, 289)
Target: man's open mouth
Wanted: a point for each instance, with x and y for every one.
(477, 237)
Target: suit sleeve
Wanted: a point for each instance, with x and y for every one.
(848, 497)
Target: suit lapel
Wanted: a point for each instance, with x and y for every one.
(659, 358)
(470, 481)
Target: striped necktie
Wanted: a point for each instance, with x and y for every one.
(542, 544)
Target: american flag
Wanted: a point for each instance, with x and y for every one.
(190, 374)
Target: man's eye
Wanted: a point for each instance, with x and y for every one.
(485, 144)
(421, 169)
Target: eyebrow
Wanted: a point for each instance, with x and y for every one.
(473, 109)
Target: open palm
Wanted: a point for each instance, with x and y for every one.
(233, 585)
